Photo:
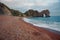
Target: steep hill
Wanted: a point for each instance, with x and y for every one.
(4, 10)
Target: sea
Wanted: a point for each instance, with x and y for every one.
(52, 22)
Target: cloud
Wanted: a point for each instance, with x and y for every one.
(7, 0)
(29, 3)
(45, 2)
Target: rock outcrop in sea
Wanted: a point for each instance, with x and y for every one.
(35, 13)
(45, 12)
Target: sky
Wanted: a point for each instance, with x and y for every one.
(24, 5)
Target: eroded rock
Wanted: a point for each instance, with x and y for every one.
(35, 13)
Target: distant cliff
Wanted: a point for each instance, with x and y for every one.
(35, 13)
(4, 10)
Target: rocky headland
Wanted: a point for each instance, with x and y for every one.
(30, 13)
(35, 13)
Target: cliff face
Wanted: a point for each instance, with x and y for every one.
(31, 13)
(4, 10)
(35, 13)
(45, 12)
(16, 12)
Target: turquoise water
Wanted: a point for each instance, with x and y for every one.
(52, 22)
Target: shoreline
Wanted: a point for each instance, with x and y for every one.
(52, 33)
(55, 31)
(15, 28)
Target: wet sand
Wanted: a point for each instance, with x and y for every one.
(14, 28)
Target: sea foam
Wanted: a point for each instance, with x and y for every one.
(44, 24)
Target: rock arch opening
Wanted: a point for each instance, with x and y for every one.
(46, 13)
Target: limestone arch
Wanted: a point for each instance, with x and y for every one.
(46, 13)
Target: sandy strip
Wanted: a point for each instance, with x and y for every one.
(55, 35)
(14, 28)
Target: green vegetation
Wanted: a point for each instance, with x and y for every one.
(16, 13)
